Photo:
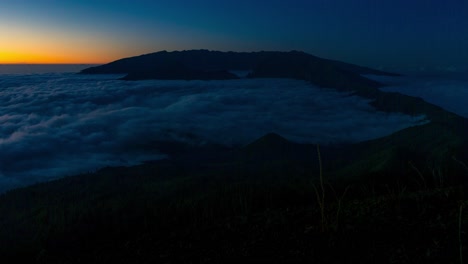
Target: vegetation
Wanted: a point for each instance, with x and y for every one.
(255, 204)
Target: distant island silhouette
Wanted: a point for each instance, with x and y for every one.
(217, 65)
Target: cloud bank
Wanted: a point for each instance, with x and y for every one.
(52, 125)
(449, 91)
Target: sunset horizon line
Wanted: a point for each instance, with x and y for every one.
(49, 63)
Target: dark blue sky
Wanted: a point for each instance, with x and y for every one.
(412, 34)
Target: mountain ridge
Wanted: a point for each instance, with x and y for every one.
(197, 64)
(216, 65)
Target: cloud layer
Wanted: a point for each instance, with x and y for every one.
(52, 125)
(447, 91)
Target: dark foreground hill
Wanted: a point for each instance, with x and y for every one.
(267, 202)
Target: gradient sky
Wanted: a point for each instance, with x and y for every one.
(406, 34)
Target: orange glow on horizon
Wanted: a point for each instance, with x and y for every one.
(43, 48)
(37, 58)
(36, 44)
(26, 44)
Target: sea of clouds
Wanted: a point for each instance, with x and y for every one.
(53, 125)
(449, 91)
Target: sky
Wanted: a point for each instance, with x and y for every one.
(385, 34)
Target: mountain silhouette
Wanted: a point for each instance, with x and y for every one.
(217, 65)
(269, 147)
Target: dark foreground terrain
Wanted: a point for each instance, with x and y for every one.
(266, 202)
(397, 199)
